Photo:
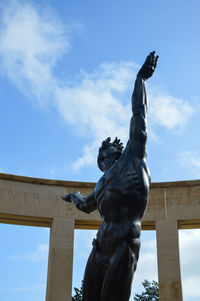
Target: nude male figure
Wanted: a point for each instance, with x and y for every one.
(121, 196)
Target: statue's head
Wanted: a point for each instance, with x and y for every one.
(109, 152)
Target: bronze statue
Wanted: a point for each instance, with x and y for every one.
(121, 196)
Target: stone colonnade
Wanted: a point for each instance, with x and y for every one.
(37, 202)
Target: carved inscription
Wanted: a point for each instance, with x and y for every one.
(7, 194)
(31, 197)
(181, 198)
(10, 195)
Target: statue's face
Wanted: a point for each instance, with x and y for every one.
(108, 158)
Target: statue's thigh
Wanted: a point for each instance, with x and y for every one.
(119, 274)
(92, 281)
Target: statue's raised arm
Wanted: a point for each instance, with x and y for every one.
(138, 131)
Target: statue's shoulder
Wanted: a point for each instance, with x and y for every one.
(126, 152)
(99, 183)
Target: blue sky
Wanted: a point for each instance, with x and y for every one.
(67, 70)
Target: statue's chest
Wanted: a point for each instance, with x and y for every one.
(103, 183)
(107, 200)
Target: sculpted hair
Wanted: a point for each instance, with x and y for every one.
(106, 143)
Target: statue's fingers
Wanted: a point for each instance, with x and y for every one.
(152, 54)
(147, 59)
(156, 59)
(66, 197)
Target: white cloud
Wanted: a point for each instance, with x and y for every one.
(41, 254)
(190, 160)
(94, 106)
(168, 111)
(97, 105)
(31, 42)
(189, 241)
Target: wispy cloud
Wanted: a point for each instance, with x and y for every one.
(190, 160)
(168, 111)
(96, 104)
(94, 107)
(32, 40)
(41, 254)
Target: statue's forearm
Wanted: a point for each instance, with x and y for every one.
(86, 204)
(139, 97)
(138, 131)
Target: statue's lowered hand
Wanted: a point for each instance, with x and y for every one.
(71, 196)
(67, 197)
(149, 66)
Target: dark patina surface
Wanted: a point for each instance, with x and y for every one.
(121, 196)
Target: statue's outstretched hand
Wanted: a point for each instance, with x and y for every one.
(67, 197)
(149, 66)
(71, 196)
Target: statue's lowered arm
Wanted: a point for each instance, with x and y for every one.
(86, 204)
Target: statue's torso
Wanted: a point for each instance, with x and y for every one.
(122, 196)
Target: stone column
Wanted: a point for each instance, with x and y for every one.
(60, 265)
(168, 261)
